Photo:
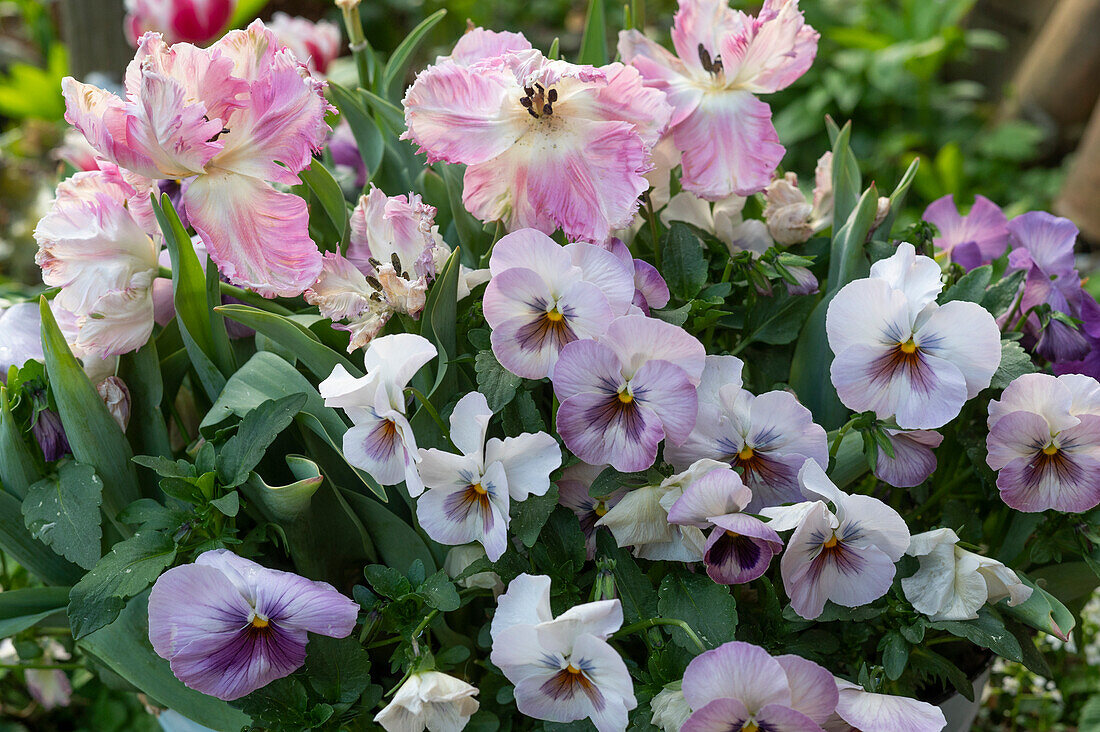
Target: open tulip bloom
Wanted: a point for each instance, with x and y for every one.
(522, 388)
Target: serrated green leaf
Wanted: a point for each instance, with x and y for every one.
(63, 512)
(17, 542)
(129, 568)
(632, 587)
(708, 608)
(1002, 294)
(1015, 362)
(229, 504)
(257, 431)
(439, 592)
(987, 631)
(337, 668)
(387, 581)
(497, 383)
(895, 654)
(971, 286)
(529, 516)
(282, 704)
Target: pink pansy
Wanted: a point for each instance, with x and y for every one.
(90, 245)
(845, 553)
(548, 144)
(900, 354)
(769, 436)
(740, 546)
(724, 58)
(478, 44)
(381, 441)
(468, 494)
(191, 21)
(227, 121)
(913, 459)
(314, 44)
(738, 686)
(573, 494)
(864, 711)
(543, 296)
(972, 240)
(622, 395)
(1044, 443)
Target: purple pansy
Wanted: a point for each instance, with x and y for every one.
(229, 626)
(738, 686)
(573, 494)
(971, 240)
(650, 288)
(768, 436)
(622, 395)
(1044, 443)
(913, 459)
(740, 546)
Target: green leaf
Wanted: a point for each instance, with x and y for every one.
(777, 320)
(63, 512)
(895, 654)
(707, 607)
(210, 354)
(140, 371)
(244, 12)
(468, 229)
(328, 194)
(17, 542)
(682, 262)
(123, 647)
(987, 631)
(497, 383)
(367, 135)
(897, 198)
(286, 503)
(22, 609)
(257, 431)
(387, 581)
(337, 668)
(166, 468)
(1002, 294)
(229, 504)
(439, 592)
(1015, 362)
(129, 568)
(847, 181)
(17, 468)
(594, 39)
(93, 434)
(282, 704)
(931, 663)
(289, 333)
(398, 543)
(529, 516)
(971, 286)
(399, 59)
(633, 588)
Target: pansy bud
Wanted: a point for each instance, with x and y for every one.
(116, 397)
(50, 435)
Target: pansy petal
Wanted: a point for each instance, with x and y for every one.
(469, 420)
(190, 602)
(719, 715)
(885, 713)
(965, 334)
(813, 691)
(917, 277)
(665, 389)
(736, 670)
(526, 602)
(867, 312)
(597, 430)
(637, 339)
(527, 459)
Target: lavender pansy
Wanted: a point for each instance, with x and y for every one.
(971, 240)
(769, 436)
(844, 553)
(573, 494)
(913, 460)
(740, 546)
(229, 626)
(900, 354)
(563, 668)
(650, 288)
(468, 494)
(1044, 443)
(738, 686)
(20, 336)
(622, 395)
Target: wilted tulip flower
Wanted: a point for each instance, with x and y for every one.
(116, 397)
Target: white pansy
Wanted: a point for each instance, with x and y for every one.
(429, 700)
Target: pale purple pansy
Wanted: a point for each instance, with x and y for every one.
(625, 393)
(91, 246)
(315, 44)
(864, 711)
(650, 288)
(229, 626)
(972, 240)
(953, 583)
(900, 354)
(563, 668)
(1044, 443)
(20, 336)
(844, 553)
(381, 441)
(573, 494)
(913, 460)
(724, 58)
(468, 494)
(738, 686)
(543, 296)
(228, 121)
(769, 436)
(740, 546)
(548, 144)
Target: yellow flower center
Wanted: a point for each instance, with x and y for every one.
(908, 346)
(258, 622)
(600, 509)
(479, 489)
(732, 534)
(554, 316)
(626, 397)
(1050, 450)
(572, 669)
(833, 541)
(745, 453)
(750, 727)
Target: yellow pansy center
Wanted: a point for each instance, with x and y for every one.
(260, 622)
(1050, 450)
(831, 542)
(572, 669)
(625, 397)
(479, 489)
(554, 316)
(908, 346)
(745, 453)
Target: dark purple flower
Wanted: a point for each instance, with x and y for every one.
(229, 626)
(972, 240)
(50, 434)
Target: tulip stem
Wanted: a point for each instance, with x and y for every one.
(62, 666)
(654, 622)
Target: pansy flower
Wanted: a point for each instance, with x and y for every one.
(573, 494)
(229, 626)
(381, 441)
(543, 296)
(768, 437)
(724, 58)
(913, 460)
(227, 121)
(844, 553)
(740, 546)
(429, 700)
(650, 288)
(563, 668)
(900, 354)
(863, 711)
(972, 240)
(1044, 443)
(547, 144)
(622, 395)
(738, 686)
(468, 494)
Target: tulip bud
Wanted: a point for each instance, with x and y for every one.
(116, 397)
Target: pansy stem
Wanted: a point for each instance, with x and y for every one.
(654, 622)
(431, 412)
